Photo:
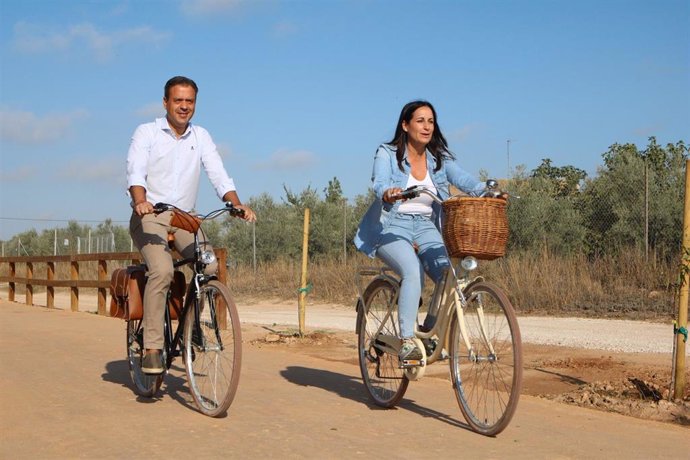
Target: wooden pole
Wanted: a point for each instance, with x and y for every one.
(222, 258)
(679, 364)
(646, 211)
(102, 292)
(303, 283)
(29, 286)
(50, 290)
(74, 291)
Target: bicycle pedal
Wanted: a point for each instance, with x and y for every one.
(406, 363)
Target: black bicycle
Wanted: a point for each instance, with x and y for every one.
(208, 333)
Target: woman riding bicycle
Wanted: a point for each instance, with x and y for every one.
(405, 235)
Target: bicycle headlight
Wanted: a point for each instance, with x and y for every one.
(208, 257)
(469, 263)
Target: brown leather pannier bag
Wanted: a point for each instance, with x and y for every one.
(127, 293)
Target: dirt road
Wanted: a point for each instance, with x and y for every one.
(65, 393)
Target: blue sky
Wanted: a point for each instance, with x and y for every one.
(298, 92)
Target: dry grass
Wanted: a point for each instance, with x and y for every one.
(626, 286)
(623, 286)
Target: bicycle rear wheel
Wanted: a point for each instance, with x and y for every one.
(487, 376)
(144, 384)
(383, 378)
(213, 349)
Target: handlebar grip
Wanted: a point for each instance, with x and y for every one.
(411, 192)
(408, 194)
(234, 211)
(161, 207)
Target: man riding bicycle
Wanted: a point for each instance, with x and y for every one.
(164, 165)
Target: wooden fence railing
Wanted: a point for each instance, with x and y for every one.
(75, 282)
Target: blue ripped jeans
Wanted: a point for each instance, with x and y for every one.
(397, 251)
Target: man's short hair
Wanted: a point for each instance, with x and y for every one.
(179, 80)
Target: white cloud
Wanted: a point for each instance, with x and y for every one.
(21, 174)
(285, 29)
(647, 131)
(152, 110)
(284, 159)
(210, 7)
(465, 132)
(37, 39)
(94, 169)
(28, 128)
(225, 151)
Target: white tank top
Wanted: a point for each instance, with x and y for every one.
(421, 204)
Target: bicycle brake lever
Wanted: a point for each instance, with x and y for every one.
(233, 210)
(161, 207)
(410, 192)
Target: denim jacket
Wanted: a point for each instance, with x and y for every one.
(386, 174)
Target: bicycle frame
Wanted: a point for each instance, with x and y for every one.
(447, 297)
(483, 348)
(192, 297)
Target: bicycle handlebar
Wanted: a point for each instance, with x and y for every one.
(490, 191)
(229, 208)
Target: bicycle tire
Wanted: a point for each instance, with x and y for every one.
(385, 382)
(213, 359)
(145, 385)
(487, 385)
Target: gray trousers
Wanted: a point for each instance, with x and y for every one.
(150, 235)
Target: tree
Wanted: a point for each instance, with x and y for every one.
(614, 202)
(563, 181)
(334, 192)
(546, 214)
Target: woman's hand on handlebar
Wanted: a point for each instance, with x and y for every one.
(392, 194)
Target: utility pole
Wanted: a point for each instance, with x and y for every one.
(508, 157)
(344, 232)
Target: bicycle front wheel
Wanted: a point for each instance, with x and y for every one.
(213, 349)
(486, 359)
(144, 384)
(383, 378)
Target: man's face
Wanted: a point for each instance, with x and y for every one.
(180, 107)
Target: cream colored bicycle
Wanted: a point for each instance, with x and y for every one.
(476, 330)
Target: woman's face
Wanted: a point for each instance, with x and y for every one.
(420, 127)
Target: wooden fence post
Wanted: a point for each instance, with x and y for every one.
(74, 290)
(682, 326)
(222, 258)
(303, 285)
(13, 287)
(29, 286)
(50, 290)
(102, 292)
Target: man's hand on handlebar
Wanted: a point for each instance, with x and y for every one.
(143, 208)
(247, 213)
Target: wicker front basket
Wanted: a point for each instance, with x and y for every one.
(475, 227)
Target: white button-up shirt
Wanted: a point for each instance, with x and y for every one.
(169, 168)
